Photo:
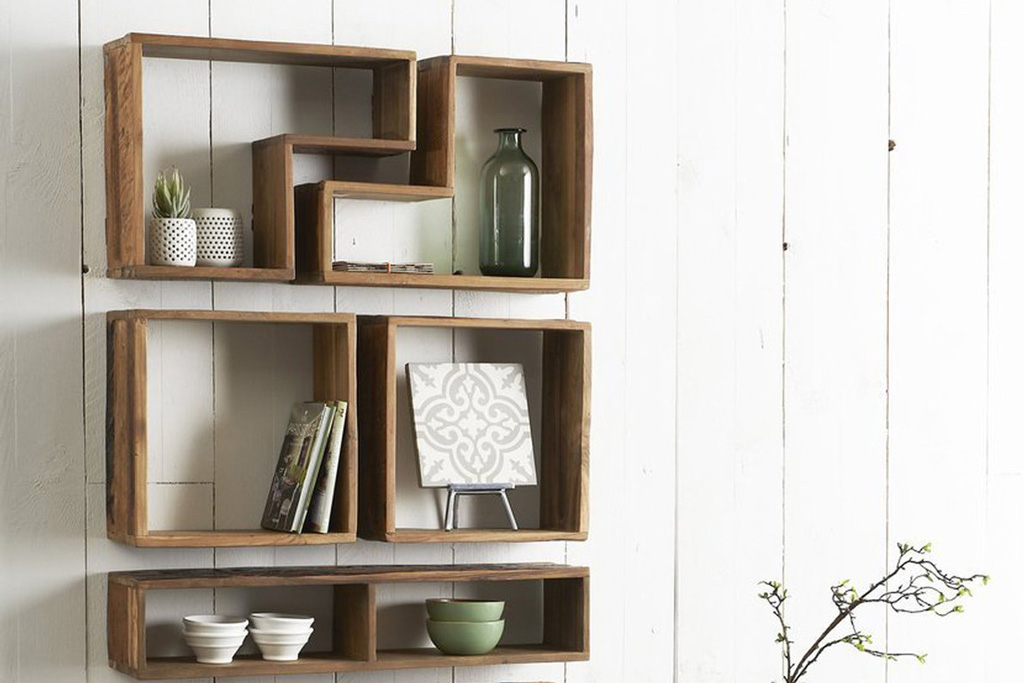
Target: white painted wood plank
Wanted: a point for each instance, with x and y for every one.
(835, 317)
(179, 401)
(42, 459)
(180, 506)
(938, 311)
(1000, 607)
(651, 310)
(529, 29)
(594, 36)
(730, 338)
(423, 26)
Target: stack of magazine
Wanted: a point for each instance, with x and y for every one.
(383, 267)
(302, 492)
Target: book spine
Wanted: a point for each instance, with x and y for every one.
(319, 517)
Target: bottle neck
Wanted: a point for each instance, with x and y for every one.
(509, 140)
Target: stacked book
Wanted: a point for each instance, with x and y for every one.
(302, 492)
(383, 267)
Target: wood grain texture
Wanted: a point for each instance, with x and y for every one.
(433, 162)
(273, 208)
(123, 159)
(394, 101)
(355, 621)
(565, 441)
(260, 51)
(334, 379)
(126, 430)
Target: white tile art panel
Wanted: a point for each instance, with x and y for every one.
(472, 423)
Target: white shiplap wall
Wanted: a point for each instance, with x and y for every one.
(862, 387)
(756, 413)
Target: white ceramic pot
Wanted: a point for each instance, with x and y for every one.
(218, 237)
(280, 647)
(172, 242)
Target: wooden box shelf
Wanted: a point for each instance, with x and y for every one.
(354, 629)
(565, 182)
(566, 149)
(394, 120)
(564, 450)
(334, 378)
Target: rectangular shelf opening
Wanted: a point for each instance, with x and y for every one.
(183, 433)
(547, 616)
(556, 359)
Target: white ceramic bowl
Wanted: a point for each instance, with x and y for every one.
(280, 623)
(214, 648)
(214, 624)
(280, 647)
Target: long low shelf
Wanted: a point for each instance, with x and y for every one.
(354, 638)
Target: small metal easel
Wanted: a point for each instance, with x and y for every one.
(451, 510)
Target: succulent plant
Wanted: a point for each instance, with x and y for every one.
(170, 196)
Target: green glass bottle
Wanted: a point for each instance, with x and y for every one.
(509, 209)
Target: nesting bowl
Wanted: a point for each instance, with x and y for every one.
(280, 646)
(453, 609)
(214, 638)
(465, 627)
(278, 622)
(280, 637)
(465, 638)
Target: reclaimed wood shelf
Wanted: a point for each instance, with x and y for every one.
(567, 148)
(565, 626)
(565, 432)
(334, 378)
(566, 152)
(394, 120)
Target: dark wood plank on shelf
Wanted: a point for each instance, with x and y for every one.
(353, 574)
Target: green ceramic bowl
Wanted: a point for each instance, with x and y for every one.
(465, 637)
(449, 609)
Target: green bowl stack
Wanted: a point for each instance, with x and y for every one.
(465, 627)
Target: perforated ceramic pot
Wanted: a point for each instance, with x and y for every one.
(218, 237)
(172, 242)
